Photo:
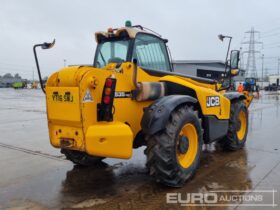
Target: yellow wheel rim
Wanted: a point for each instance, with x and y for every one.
(243, 125)
(185, 159)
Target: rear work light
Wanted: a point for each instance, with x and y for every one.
(104, 109)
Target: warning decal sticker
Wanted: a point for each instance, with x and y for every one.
(88, 97)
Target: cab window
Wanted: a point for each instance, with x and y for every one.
(151, 53)
(111, 51)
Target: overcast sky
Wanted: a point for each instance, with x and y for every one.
(190, 26)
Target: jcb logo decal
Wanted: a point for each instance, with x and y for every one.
(212, 101)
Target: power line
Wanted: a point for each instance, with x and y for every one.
(271, 35)
(265, 48)
(265, 23)
(272, 43)
(271, 30)
(16, 65)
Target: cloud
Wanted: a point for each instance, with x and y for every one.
(191, 27)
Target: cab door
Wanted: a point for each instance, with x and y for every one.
(151, 53)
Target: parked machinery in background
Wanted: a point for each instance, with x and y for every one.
(250, 84)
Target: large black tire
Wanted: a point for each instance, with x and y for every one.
(163, 149)
(81, 158)
(238, 129)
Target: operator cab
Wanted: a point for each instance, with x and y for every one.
(126, 44)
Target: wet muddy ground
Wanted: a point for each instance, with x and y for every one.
(36, 176)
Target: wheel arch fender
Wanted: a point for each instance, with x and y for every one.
(157, 114)
(234, 96)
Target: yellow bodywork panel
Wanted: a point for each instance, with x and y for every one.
(59, 133)
(126, 109)
(109, 139)
(64, 116)
(203, 92)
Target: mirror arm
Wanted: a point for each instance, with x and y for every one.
(38, 67)
(226, 64)
(45, 45)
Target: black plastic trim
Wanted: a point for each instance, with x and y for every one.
(234, 95)
(165, 73)
(214, 128)
(157, 114)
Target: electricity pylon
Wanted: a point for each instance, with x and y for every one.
(251, 68)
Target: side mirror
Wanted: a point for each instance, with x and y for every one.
(46, 45)
(234, 61)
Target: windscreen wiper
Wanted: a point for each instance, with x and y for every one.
(103, 59)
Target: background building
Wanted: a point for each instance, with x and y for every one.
(274, 79)
(212, 69)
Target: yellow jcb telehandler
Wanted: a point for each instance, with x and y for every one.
(131, 97)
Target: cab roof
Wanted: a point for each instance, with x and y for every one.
(131, 32)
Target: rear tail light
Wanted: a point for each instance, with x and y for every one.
(106, 106)
(108, 91)
(106, 100)
(109, 82)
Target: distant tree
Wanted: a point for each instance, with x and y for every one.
(17, 76)
(8, 75)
